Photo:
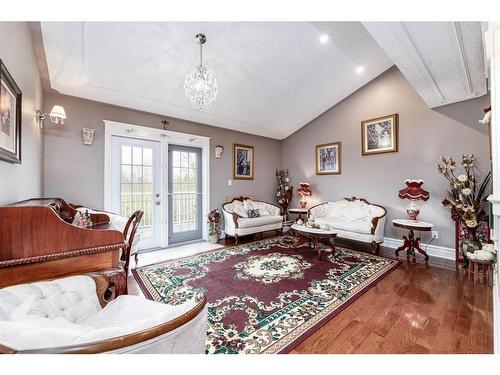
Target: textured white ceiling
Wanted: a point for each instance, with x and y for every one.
(273, 77)
(444, 61)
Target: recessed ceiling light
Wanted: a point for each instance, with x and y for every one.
(360, 69)
(324, 38)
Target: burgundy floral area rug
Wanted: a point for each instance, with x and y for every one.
(266, 296)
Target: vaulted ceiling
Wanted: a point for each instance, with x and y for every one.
(273, 77)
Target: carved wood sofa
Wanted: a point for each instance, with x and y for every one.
(237, 223)
(72, 315)
(354, 219)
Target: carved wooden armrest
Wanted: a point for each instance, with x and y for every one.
(235, 219)
(105, 280)
(374, 223)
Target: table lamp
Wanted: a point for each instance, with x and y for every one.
(413, 192)
(304, 190)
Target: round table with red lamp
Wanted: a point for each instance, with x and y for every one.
(413, 192)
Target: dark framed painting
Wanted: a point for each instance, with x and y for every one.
(329, 158)
(10, 117)
(243, 167)
(379, 135)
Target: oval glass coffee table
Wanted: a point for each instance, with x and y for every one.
(315, 237)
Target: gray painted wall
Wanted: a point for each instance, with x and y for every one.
(76, 172)
(21, 181)
(424, 135)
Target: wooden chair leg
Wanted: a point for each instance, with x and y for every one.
(136, 258)
(236, 239)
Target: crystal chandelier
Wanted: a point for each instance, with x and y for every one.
(200, 84)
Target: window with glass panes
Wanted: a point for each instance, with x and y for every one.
(136, 185)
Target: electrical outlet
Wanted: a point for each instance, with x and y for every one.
(229, 182)
(435, 234)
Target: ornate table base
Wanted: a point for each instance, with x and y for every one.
(410, 245)
(315, 238)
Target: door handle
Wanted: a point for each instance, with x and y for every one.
(157, 203)
(157, 195)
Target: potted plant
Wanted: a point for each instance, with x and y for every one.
(465, 198)
(214, 226)
(283, 190)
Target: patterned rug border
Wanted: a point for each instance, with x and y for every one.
(310, 331)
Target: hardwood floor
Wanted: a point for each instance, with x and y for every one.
(417, 308)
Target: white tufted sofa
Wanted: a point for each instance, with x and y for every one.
(354, 219)
(66, 316)
(239, 224)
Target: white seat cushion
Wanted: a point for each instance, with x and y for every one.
(362, 227)
(72, 298)
(258, 221)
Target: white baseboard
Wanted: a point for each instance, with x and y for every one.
(432, 250)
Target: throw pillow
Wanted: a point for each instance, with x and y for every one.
(253, 213)
(239, 209)
(262, 207)
(248, 204)
(355, 213)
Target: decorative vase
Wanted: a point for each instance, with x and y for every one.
(213, 238)
(413, 210)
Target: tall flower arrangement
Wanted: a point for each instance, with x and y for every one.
(214, 223)
(465, 197)
(283, 190)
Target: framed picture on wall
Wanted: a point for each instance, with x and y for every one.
(10, 117)
(243, 167)
(329, 158)
(379, 135)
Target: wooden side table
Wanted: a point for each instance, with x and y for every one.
(298, 211)
(411, 243)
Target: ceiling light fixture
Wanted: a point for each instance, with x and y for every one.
(200, 84)
(360, 69)
(324, 38)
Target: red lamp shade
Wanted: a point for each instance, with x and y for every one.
(304, 189)
(414, 191)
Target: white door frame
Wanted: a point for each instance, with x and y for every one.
(166, 137)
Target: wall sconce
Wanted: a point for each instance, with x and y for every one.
(57, 115)
(218, 151)
(88, 136)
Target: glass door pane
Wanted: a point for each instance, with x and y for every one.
(184, 194)
(138, 185)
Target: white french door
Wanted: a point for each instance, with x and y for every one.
(136, 185)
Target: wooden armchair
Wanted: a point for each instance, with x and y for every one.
(129, 233)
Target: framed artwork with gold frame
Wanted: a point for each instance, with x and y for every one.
(379, 135)
(329, 158)
(243, 167)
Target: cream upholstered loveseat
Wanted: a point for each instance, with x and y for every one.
(70, 315)
(237, 223)
(353, 219)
